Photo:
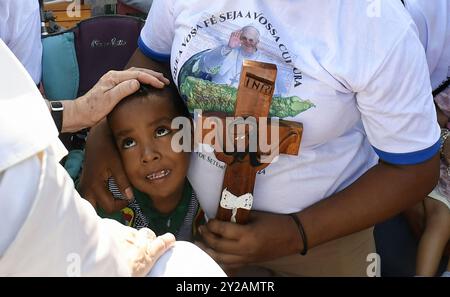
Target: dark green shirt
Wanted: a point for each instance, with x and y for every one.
(182, 221)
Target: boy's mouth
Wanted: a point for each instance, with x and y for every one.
(158, 174)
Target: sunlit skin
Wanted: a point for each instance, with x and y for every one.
(142, 133)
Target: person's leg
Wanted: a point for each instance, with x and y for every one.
(416, 218)
(446, 273)
(397, 246)
(434, 238)
(346, 256)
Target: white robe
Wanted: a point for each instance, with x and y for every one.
(61, 235)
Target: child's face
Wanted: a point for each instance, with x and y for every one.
(142, 132)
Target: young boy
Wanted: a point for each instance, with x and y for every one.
(164, 199)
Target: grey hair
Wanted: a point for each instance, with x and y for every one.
(250, 27)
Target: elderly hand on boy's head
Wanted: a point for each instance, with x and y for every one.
(111, 88)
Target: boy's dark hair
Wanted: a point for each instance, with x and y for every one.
(170, 92)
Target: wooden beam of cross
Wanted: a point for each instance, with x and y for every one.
(254, 96)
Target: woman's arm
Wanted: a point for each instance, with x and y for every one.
(380, 193)
(138, 59)
(441, 117)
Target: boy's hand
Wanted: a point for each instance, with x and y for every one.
(102, 161)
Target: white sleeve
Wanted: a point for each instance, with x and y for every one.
(432, 20)
(397, 107)
(25, 41)
(157, 34)
(60, 235)
(16, 199)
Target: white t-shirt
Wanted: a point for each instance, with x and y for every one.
(356, 69)
(20, 29)
(433, 22)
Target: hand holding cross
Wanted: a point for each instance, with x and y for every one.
(253, 101)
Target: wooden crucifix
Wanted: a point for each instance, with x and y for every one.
(254, 96)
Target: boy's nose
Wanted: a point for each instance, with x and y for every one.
(149, 155)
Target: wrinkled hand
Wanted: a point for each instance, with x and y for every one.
(235, 39)
(143, 248)
(266, 237)
(102, 161)
(112, 87)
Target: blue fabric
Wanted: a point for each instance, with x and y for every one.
(409, 158)
(60, 75)
(151, 53)
(397, 246)
(74, 163)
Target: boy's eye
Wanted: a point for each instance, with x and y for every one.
(162, 132)
(128, 142)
